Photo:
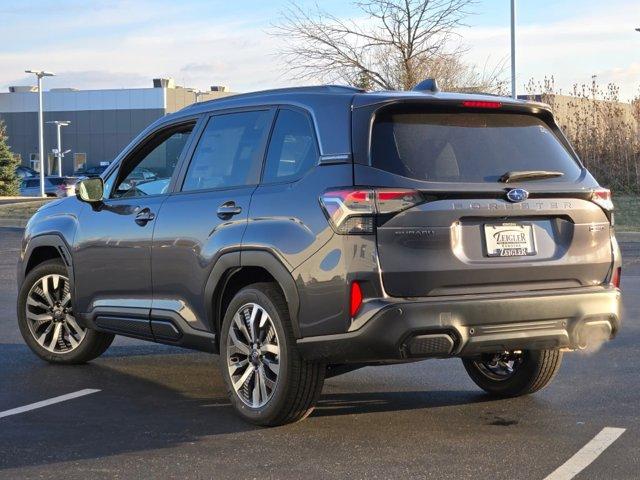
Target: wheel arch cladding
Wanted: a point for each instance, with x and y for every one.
(229, 275)
(43, 248)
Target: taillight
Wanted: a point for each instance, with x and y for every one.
(615, 278)
(352, 211)
(602, 197)
(356, 299)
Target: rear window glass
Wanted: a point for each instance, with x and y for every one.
(467, 147)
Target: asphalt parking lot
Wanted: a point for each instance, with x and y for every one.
(161, 412)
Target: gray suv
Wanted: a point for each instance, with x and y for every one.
(305, 232)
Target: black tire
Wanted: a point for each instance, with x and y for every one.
(536, 370)
(91, 346)
(299, 382)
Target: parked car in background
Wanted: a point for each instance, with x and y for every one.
(142, 175)
(25, 172)
(138, 177)
(91, 171)
(53, 187)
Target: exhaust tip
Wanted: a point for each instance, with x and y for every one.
(592, 334)
(430, 345)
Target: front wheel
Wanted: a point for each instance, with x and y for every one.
(511, 374)
(267, 380)
(47, 321)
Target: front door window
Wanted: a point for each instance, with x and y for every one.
(149, 171)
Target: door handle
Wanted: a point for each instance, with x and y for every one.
(144, 216)
(228, 210)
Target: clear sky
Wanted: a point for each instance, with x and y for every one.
(120, 43)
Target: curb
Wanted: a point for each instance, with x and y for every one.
(628, 236)
(13, 222)
(14, 200)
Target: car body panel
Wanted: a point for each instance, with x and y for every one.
(112, 254)
(188, 240)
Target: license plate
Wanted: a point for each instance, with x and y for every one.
(509, 239)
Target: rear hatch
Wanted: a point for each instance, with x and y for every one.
(472, 221)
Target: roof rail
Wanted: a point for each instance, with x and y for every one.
(427, 85)
(307, 89)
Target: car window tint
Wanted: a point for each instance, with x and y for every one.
(467, 147)
(229, 151)
(156, 162)
(292, 149)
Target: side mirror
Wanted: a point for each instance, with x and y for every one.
(90, 190)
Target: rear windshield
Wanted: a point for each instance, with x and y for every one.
(467, 147)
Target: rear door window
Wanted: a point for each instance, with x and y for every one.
(467, 147)
(229, 152)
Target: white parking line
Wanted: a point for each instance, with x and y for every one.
(587, 454)
(51, 401)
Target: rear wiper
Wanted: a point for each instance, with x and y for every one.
(529, 175)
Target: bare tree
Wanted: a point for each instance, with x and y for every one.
(394, 45)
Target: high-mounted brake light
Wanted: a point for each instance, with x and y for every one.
(481, 104)
(602, 197)
(356, 299)
(352, 211)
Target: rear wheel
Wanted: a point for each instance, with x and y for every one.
(267, 380)
(47, 321)
(511, 374)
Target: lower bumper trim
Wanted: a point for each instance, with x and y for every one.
(465, 327)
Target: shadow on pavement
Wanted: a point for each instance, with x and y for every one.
(376, 402)
(136, 410)
(151, 398)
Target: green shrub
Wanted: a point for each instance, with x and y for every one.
(9, 181)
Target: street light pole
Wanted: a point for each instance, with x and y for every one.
(513, 48)
(59, 154)
(40, 74)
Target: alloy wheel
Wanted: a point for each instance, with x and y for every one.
(253, 355)
(50, 315)
(500, 366)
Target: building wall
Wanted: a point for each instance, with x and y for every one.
(100, 134)
(103, 122)
(178, 98)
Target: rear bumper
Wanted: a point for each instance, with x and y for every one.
(463, 326)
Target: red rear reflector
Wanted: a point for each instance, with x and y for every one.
(356, 299)
(481, 104)
(615, 278)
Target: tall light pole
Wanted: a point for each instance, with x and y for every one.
(513, 48)
(197, 94)
(59, 153)
(40, 74)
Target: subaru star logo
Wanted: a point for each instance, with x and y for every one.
(517, 195)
